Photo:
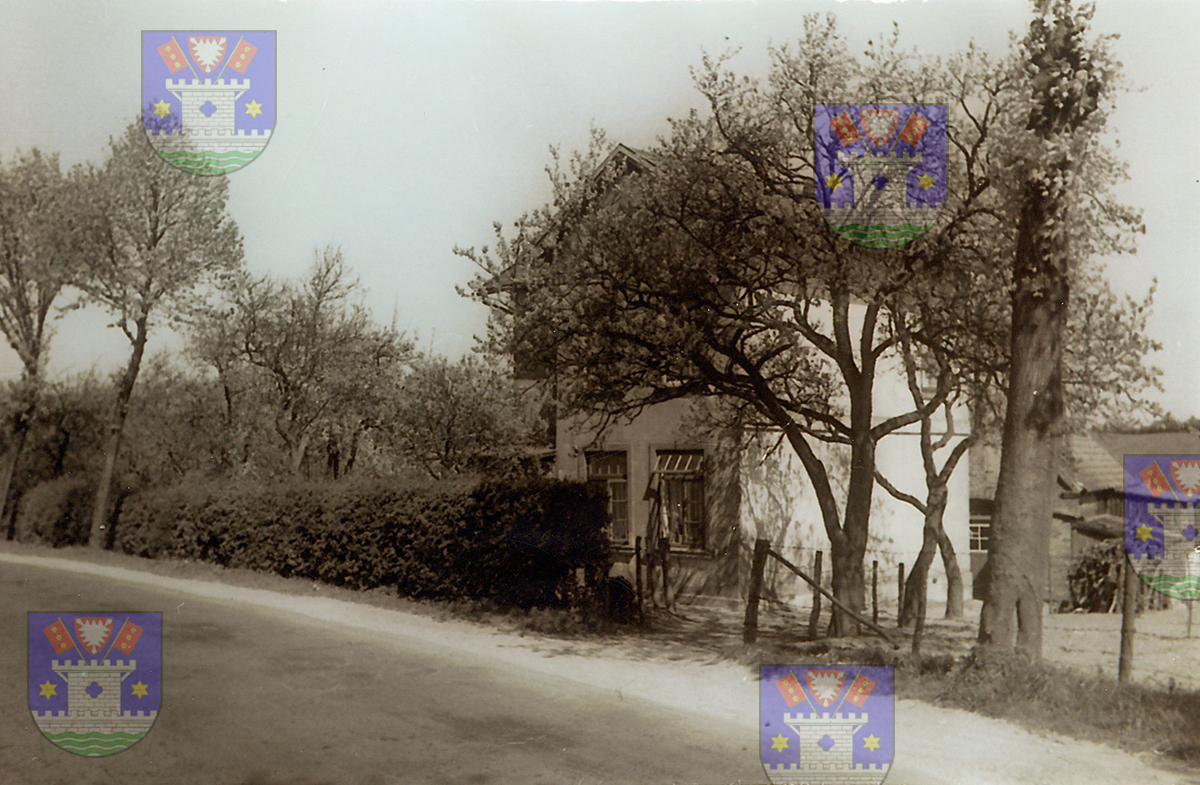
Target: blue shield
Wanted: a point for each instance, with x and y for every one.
(208, 99)
(880, 170)
(1162, 522)
(95, 679)
(826, 724)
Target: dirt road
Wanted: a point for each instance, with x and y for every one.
(648, 719)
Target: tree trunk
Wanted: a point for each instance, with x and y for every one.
(915, 587)
(1020, 542)
(9, 465)
(848, 555)
(954, 578)
(98, 535)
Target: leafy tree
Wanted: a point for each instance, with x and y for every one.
(1105, 378)
(37, 256)
(306, 356)
(157, 235)
(1069, 86)
(716, 275)
(175, 428)
(703, 267)
(453, 417)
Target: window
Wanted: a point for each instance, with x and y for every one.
(981, 524)
(610, 471)
(680, 476)
(981, 531)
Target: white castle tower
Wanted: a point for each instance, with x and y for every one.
(827, 751)
(209, 110)
(875, 206)
(94, 703)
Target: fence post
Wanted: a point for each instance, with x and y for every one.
(900, 593)
(750, 625)
(1128, 616)
(875, 591)
(815, 616)
(637, 570)
(664, 553)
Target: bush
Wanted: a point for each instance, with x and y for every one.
(57, 512)
(516, 542)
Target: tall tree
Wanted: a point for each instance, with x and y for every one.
(704, 267)
(157, 236)
(453, 417)
(1069, 79)
(37, 256)
(308, 353)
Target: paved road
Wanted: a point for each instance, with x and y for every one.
(255, 697)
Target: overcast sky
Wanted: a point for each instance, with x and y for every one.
(406, 128)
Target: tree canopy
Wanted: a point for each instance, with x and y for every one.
(703, 266)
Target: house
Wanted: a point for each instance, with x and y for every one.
(709, 497)
(1091, 506)
(693, 500)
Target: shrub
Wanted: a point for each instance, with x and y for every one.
(516, 542)
(57, 512)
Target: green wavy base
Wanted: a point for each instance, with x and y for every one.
(95, 745)
(208, 163)
(881, 235)
(1180, 588)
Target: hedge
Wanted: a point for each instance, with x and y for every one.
(57, 512)
(515, 542)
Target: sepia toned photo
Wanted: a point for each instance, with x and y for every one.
(788, 392)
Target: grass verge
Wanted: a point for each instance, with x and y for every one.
(1037, 695)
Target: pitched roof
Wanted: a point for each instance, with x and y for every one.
(1097, 459)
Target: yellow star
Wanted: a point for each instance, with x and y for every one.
(139, 690)
(1144, 532)
(49, 690)
(925, 181)
(833, 182)
(162, 108)
(871, 742)
(254, 108)
(779, 743)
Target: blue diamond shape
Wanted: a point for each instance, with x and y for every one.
(825, 743)
(1190, 532)
(94, 689)
(879, 182)
(208, 108)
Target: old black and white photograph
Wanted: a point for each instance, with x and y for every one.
(564, 391)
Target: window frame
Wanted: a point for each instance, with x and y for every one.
(682, 497)
(616, 486)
